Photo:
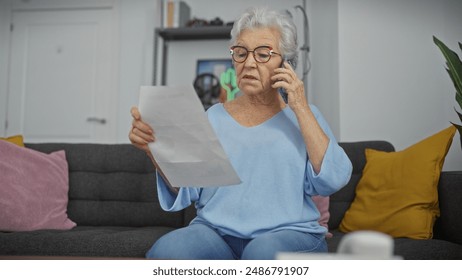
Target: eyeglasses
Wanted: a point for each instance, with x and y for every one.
(261, 54)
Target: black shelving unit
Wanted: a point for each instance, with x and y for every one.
(195, 33)
(184, 34)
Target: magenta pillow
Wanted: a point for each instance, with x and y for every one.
(322, 203)
(33, 189)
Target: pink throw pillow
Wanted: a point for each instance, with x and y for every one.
(33, 189)
(322, 203)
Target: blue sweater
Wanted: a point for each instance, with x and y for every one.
(277, 178)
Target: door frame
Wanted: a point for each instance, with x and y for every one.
(8, 7)
(5, 22)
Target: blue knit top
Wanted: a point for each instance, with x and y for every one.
(277, 177)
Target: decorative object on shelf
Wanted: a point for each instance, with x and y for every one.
(194, 22)
(228, 83)
(216, 21)
(454, 69)
(208, 83)
(175, 14)
(207, 87)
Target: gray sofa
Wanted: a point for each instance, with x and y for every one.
(113, 200)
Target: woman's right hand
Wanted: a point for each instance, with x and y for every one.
(141, 134)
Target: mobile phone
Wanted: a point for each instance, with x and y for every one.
(281, 90)
(284, 95)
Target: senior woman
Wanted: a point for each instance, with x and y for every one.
(283, 153)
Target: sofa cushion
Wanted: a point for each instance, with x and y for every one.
(83, 241)
(449, 225)
(33, 189)
(412, 249)
(16, 139)
(397, 193)
(340, 201)
(427, 249)
(322, 203)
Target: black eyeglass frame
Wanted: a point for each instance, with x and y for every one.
(271, 53)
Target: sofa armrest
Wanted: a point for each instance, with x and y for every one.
(449, 225)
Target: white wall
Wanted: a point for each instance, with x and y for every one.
(137, 21)
(324, 75)
(392, 81)
(4, 47)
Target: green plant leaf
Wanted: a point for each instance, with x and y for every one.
(459, 114)
(454, 65)
(458, 94)
(459, 99)
(451, 76)
(459, 128)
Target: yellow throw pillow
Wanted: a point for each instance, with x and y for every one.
(397, 193)
(17, 139)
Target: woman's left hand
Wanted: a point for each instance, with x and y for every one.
(287, 79)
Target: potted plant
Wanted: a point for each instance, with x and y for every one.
(454, 69)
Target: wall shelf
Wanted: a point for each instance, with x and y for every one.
(184, 34)
(195, 33)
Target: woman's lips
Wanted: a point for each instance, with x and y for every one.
(250, 77)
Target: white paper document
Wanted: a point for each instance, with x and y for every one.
(186, 149)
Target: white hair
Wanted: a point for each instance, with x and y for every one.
(261, 17)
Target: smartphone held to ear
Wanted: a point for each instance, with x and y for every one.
(284, 95)
(281, 90)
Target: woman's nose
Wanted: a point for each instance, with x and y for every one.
(250, 61)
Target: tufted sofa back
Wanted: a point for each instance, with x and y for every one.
(112, 185)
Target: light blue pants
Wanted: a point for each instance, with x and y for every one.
(198, 241)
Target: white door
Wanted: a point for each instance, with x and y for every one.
(61, 83)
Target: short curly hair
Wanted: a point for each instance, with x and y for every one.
(261, 17)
